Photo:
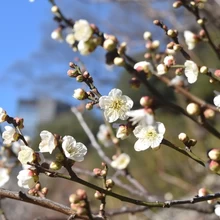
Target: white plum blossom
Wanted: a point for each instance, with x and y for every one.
(115, 105)
(47, 143)
(190, 39)
(140, 117)
(27, 178)
(3, 115)
(161, 69)
(82, 30)
(121, 162)
(16, 146)
(9, 135)
(73, 150)
(191, 71)
(4, 177)
(104, 136)
(26, 154)
(216, 100)
(149, 136)
(144, 66)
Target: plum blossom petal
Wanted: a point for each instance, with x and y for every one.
(47, 143)
(191, 71)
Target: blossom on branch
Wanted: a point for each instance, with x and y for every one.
(121, 162)
(4, 177)
(48, 142)
(115, 105)
(26, 154)
(191, 71)
(9, 135)
(149, 136)
(73, 150)
(104, 135)
(82, 30)
(27, 178)
(3, 115)
(190, 39)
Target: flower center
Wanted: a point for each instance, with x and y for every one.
(116, 104)
(151, 133)
(70, 149)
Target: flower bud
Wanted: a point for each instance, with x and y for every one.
(103, 173)
(57, 34)
(97, 171)
(73, 73)
(109, 183)
(170, 45)
(214, 166)
(54, 9)
(192, 142)
(80, 78)
(123, 132)
(217, 73)
(193, 109)
(214, 154)
(155, 44)
(3, 115)
(59, 157)
(81, 193)
(203, 69)
(147, 35)
(109, 44)
(183, 137)
(89, 106)
(73, 198)
(19, 122)
(99, 195)
(201, 21)
(179, 71)
(119, 61)
(80, 94)
(177, 47)
(81, 211)
(169, 60)
(146, 101)
(203, 192)
(157, 22)
(45, 190)
(209, 113)
(55, 165)
(122, 48)
(171, 33)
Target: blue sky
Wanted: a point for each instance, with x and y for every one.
(20, 23)
(29, 57)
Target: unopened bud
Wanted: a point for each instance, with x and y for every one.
(73, 198)
(54, 9)
(179, 71)
(73, 73)
(55, 165)
(157, 22)
(214, 154)
(123, 132)
(99, 195)
(177, 47)
(203, 69)
(214, 166)
(97, 171)
(170, 45)
(171, 33)
(109, 183)
(3, 115)
(19, 122)
(201, 21)
(59, 157)
(183, 137)
(80, 94)
(103, 173)
(147, 35)
(119, 61)
(217, 73)
(203, 192)
(209, 113)
(80, 78)
(81, 193)
(81, 211)
(109, 44)
(45, 190)
(192, 142)
(193, 109)
(89, 106)
(155, 44)
(146, 101)
(122, 48)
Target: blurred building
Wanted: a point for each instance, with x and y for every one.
(37, 111)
